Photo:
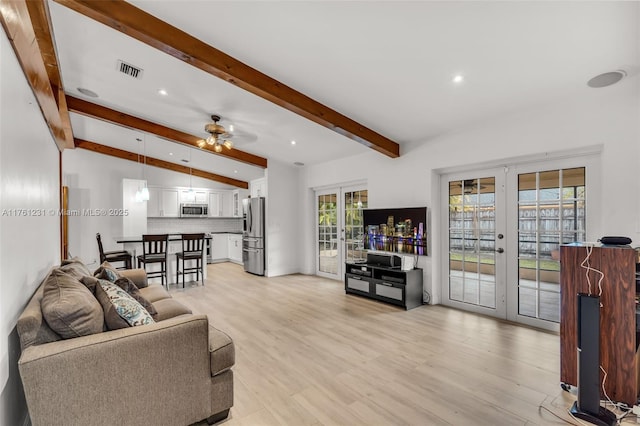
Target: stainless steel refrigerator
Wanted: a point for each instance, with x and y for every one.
(253, 235)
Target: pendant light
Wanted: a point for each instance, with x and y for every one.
(142, 194)
(139, 191)
(145, 190)
(191, 191)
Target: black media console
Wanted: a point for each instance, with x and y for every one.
(388, 284)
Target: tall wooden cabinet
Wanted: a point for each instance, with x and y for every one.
(617, 315)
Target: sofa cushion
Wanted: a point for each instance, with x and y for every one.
(120, 309)
(138, 276)
(69, 307)
(74, 267)
(169, 308)
(221, 350)
(154, 292)
(106, 271)
(32, 327)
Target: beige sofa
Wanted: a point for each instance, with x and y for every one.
(176, 371)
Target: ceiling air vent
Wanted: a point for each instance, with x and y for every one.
(129, 69)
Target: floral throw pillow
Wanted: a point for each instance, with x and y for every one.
(120, 309)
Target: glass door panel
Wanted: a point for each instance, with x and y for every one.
(551, 212)
(472, 247)
(327, 209)
(340, 229)
(354, 202)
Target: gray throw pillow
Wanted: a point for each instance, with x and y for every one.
(106, 271)
(74, 267)
(69, 307)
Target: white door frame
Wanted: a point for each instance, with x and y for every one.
(340, 190)
(589, 157)
(591, 163)
(500, 228)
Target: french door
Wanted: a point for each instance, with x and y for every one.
(340, 231)
(504, 229)
(476, 229)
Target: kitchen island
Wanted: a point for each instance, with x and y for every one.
(133, 244)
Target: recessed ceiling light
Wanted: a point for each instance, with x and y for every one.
(606, 79)
(458, 79)
(162, 92)
(293, 142)
(235, 171)
(87, 92)
(230, 127)
(171, 153)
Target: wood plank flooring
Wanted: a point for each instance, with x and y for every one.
(308, 354)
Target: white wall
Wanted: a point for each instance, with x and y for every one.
(95, 182)
(607, 117)
(29, 245)
(283, 220)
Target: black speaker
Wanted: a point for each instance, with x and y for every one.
(384, 260)
(587, 407)
(615, 241)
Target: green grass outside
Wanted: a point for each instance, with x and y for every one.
(545, 265)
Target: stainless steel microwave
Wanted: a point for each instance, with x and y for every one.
(194, 210)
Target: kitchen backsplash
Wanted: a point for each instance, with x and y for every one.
(178, 225)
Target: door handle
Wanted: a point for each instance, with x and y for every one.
(500, 250)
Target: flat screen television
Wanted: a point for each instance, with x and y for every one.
(400, 230)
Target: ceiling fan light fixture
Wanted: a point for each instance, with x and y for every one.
(216, 135)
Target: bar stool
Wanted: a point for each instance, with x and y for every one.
(154, 249)
(192, 247)
(114, 256)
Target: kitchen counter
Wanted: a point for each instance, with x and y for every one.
(172, 237)
(133, 244)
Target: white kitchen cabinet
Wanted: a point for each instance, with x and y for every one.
(163, 203)
(215, 205)
(235, 247)
(153, 205)
(219, 247)
(190, 196)
(227, 204)
(170, 206)
(202, 197)
(238, 196)
(258, 187)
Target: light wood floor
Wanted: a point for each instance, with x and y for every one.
(308, 354)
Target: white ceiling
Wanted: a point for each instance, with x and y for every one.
(386, 64)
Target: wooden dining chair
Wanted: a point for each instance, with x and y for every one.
(192, 249)
(154, 248)
(114, 256)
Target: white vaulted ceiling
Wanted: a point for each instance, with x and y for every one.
(386, 64)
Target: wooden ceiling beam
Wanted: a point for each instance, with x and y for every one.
(26, 24)
(90, 109)
(150, 161)
(41, 22)
(148, 29)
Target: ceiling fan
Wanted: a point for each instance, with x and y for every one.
(218, 136)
